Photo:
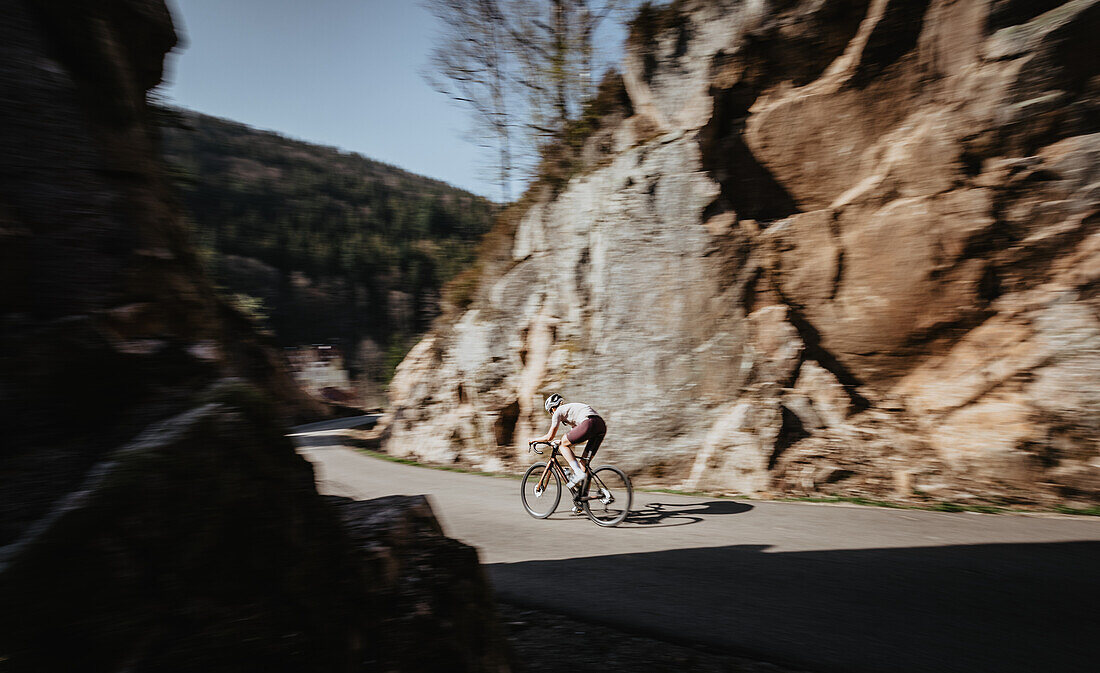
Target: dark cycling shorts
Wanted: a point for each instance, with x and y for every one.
(591, 430)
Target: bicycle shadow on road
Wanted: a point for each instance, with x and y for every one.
(660, 515)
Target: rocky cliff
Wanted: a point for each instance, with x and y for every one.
(839, 246)
(153, 516)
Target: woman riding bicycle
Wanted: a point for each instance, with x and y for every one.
(586, 426)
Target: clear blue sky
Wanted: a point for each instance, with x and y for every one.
(335, 72)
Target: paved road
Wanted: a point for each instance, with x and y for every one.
(827, 588)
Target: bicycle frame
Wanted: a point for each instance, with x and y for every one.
(581, 493)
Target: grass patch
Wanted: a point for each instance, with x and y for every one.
(1079, 511)
(930, 507)
(853, 500)
(870, 502)
(956, 507)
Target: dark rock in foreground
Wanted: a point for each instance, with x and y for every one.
(199, 545)
(202, 545)
(153, 516)
(428, 593)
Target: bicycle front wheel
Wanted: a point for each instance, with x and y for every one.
(610, 496)
(540, 506)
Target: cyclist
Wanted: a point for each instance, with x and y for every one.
(586, 426)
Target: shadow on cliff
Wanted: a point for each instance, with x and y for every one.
(995, 607)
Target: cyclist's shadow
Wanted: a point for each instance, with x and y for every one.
(683, 514)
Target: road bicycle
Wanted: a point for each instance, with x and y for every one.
(605, 495)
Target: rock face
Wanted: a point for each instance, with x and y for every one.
(860, 256)
(153, 516)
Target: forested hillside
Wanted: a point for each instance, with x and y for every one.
(319, 244)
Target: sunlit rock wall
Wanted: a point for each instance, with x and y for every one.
(858, 256)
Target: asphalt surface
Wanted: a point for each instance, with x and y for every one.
(825, 588)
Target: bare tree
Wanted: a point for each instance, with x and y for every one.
(554, 41)
(471, 65)
(519, 65)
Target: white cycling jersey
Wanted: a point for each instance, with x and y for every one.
(571, 414)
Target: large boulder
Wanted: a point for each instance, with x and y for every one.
(200, 544)
(153, 515)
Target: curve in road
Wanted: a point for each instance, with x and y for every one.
(820, 587)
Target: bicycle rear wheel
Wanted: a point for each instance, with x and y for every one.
(542, 506)
(610, 496)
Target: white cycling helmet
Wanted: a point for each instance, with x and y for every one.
(552, 402)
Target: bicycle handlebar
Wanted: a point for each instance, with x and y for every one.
(531, 446)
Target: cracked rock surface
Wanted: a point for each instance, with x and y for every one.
(859, 256)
